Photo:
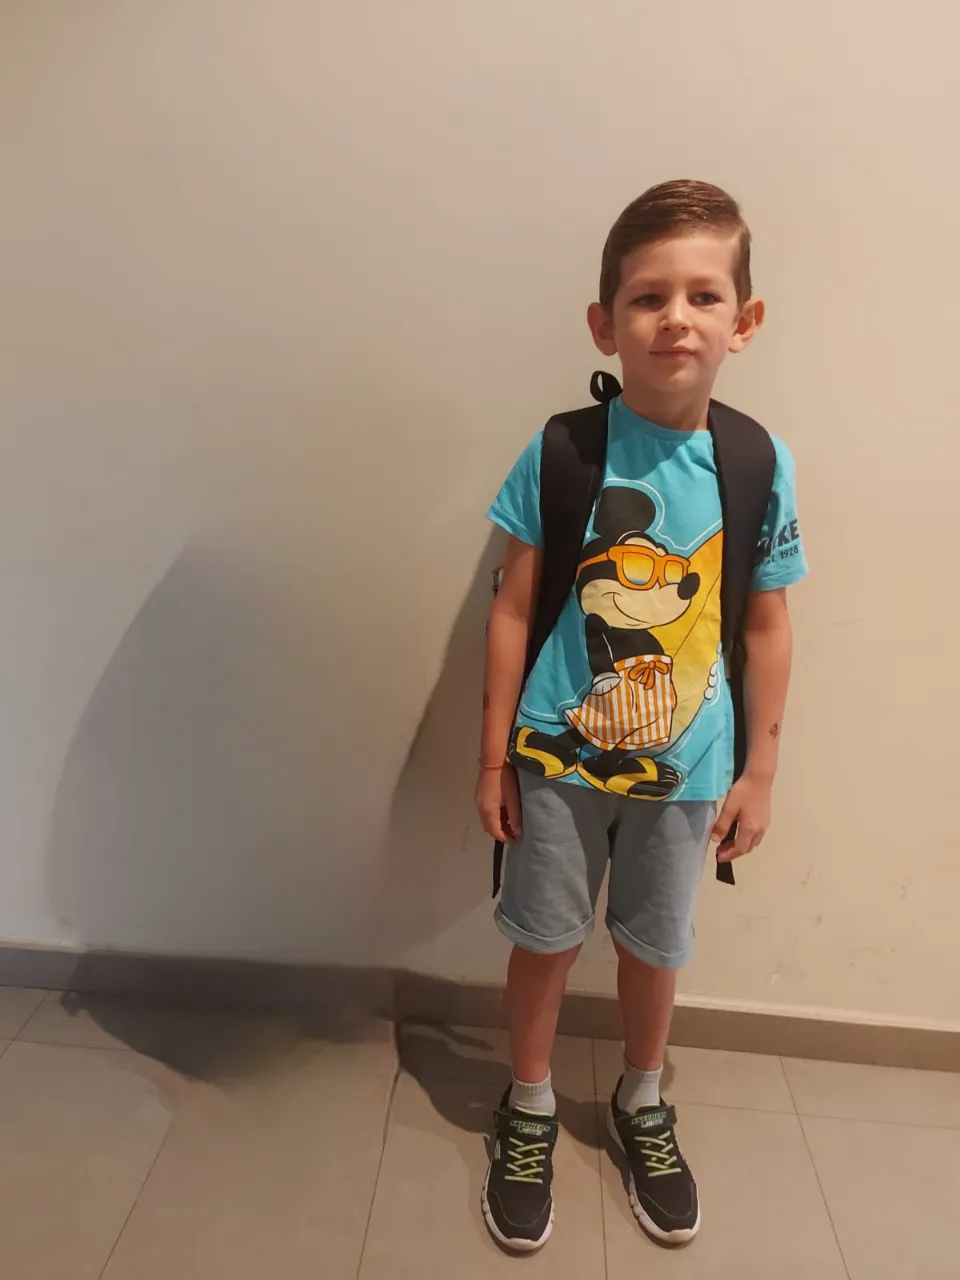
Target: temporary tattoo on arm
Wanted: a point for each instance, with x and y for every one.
(774, 731)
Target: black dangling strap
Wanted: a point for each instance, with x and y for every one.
(497, 867)
(604, 387)
(725, 871)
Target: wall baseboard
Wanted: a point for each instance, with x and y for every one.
(703, 1024)
(199, 979)
(410, 997)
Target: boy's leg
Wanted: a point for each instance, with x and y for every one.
(551, 881)
(658, 856)
(646, 1003)
(535, 986)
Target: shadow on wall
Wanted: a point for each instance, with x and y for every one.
(227, 791)
(436, 861)
(193, 802)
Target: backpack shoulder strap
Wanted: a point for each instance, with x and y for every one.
(746, 462)
(571, 469)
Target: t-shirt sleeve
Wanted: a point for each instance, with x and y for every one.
(517, 505)
(781, 560)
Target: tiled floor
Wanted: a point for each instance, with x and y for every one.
(159, 1143)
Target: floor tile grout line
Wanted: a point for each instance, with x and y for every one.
(154, 1055)
(786, 1081)
(816, 1174)
(90, 1048)
(889, 1124)
(137, 1198)
(792, 1110)
(33, 1013)
(388, 1116)
(796, 1110)
(599, 1134)
(823, 1196)
(582, 1093)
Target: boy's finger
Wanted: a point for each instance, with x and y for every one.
(514, 820)
(742, 845)
(501, 826)
(493, 825)
(721, 828)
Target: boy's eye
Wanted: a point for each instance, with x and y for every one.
(706, 299)
(648, 300)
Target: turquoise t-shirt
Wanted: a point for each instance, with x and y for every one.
(628, 694)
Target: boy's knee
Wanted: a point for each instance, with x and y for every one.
(547, 961)
(630, 961)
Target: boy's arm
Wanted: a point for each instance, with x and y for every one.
(769, 645)
(508, 632)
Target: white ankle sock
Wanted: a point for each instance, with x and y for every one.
(537, 1099)
(638, 1088)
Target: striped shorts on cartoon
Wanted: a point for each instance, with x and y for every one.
(635, 715)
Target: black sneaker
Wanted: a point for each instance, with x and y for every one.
(517, 1198)
(663, 1193)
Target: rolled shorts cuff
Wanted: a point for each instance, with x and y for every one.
(645, 953)
(541, 946)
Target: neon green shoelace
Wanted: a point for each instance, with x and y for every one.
(526, 1163)
(659, 1154)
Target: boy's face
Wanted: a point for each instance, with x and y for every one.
(676, 315)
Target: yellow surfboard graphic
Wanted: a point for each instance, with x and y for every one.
(693, 639)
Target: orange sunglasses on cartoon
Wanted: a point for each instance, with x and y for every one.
(639, 568)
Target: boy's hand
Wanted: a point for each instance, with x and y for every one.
(747, 805)
(498, 804)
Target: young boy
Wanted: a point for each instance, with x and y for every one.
(627, 703)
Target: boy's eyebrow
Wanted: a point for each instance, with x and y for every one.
(714, 282)
(644, 282)
(653, 283)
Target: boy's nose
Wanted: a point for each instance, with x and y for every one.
(675, 315)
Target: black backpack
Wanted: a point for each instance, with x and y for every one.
(571, 471)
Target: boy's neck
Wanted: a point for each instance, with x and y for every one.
(685, 413)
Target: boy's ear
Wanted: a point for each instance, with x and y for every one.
(751, 318)
(601, 326)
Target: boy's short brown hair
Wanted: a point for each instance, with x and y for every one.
(670, 209)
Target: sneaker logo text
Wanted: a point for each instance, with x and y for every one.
(658, 1120)
(529, 1129)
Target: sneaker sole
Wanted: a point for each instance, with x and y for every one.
(516, 1246)
(656, 1233)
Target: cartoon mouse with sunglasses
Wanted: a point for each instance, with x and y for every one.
(627, 584)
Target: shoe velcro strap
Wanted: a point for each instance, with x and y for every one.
(655, 1118)
(531, 1128)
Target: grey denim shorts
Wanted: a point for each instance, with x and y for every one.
(553, 874)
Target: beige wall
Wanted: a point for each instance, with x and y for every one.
(284, 287)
